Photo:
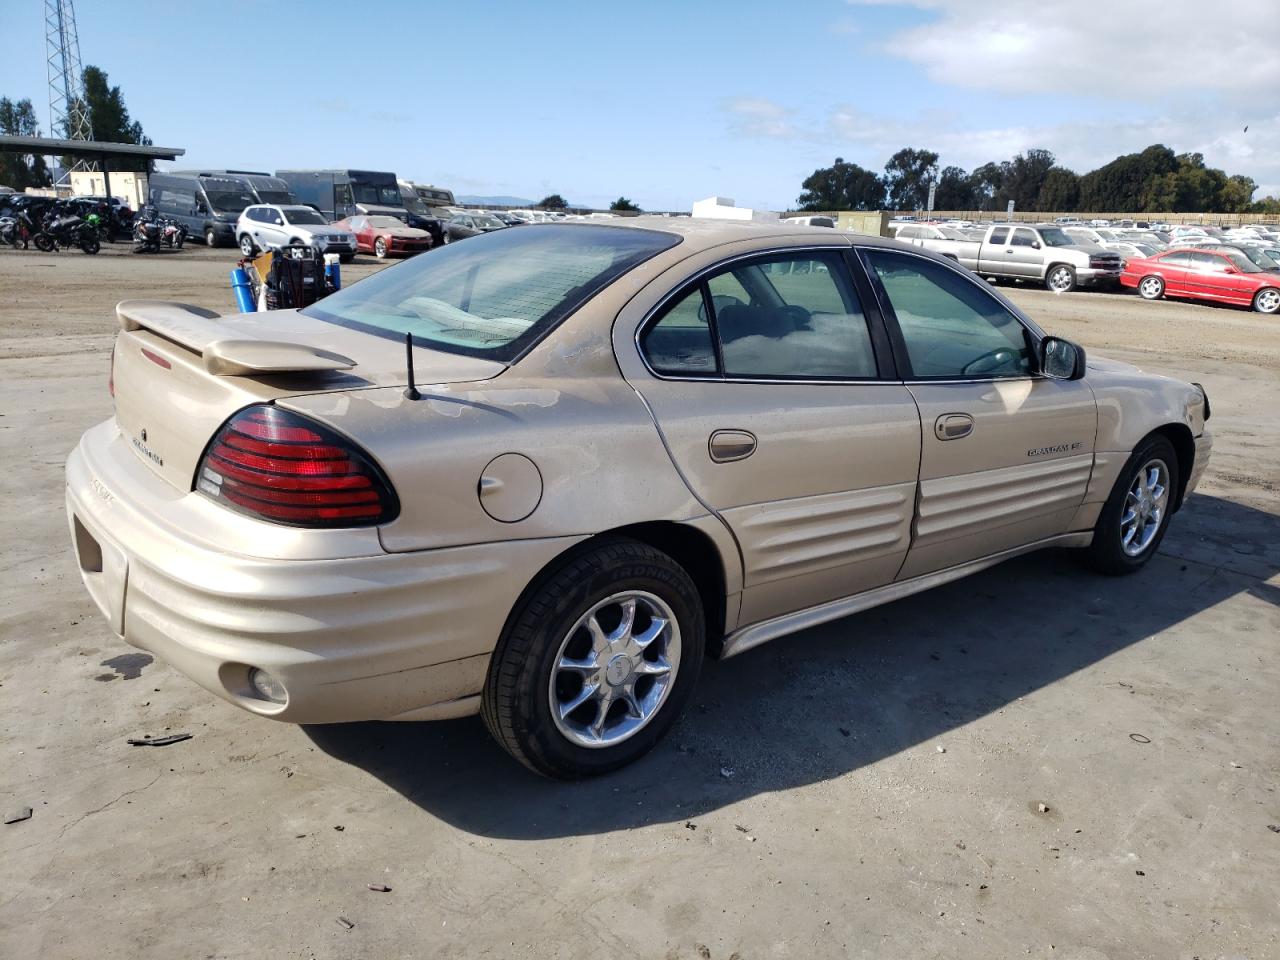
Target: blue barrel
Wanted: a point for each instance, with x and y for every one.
(332, 272)
(241, 287)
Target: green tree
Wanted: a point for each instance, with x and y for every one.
(1129, 182)
(17, 170)
(1022, 179)
(984, 184)
(842, 186)
(553, 202)
(108, 116)
(1236, 195)
(623, 205)
(955, 190)
(1060, 191)
(1267, 205)
(907, 176)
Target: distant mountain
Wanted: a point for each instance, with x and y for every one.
(496, 201)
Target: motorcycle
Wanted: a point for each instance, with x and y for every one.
(173, 233)
(67, 231)
(147, 235)
(18, 229)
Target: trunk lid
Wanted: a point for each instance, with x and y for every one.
(180, 371)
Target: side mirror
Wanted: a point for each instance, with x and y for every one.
(1061, 359)
(1035, 244)
(1230, 270)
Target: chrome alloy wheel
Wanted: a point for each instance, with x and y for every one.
(1144, 507)
(614, 669)
(1151, 287)
(1269, 301)
(1060, 279)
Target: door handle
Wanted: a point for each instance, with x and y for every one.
(953, 426)
(725, 446)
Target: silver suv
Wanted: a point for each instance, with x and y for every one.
(266, 225)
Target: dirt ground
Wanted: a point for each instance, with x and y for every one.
(869, 788)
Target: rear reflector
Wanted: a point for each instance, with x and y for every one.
(280, 466)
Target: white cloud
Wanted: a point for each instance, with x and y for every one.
(1132, 50)
(869, 138)
(759, 117)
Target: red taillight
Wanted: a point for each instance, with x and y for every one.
(280, 466)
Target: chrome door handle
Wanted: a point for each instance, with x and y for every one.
(725, 446)
(953, 426)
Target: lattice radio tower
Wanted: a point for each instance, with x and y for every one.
(67, 115)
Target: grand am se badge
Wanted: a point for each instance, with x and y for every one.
(1057, 448)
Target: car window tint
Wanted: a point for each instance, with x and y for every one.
(794, 317)
(1023, 238)
(1202, 261)
(998, 236)
(952, 327)
(680, 342)
(1176, 259)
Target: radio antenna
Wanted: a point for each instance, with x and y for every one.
(411, 391)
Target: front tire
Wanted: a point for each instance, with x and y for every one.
(246, 246)
(1151, 288)
(1135, 517)
(380, 248)
(596, 661)
(346, 257)
(210, 238)
(1060, 279)
(1267, 300)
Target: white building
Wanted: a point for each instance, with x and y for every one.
(722, 208)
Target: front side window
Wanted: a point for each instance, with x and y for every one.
(1023, 238)
(783, 317)
(953, 329)
(496, 294)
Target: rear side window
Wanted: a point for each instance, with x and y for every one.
(681, 343)
(495, 295)
(999, 236)
(783, 317)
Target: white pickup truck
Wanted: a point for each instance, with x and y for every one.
(1040, 252)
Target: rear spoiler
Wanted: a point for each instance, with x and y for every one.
(197, 329)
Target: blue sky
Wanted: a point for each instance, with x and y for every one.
(667, 102)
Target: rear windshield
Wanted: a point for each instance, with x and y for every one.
(495, 294)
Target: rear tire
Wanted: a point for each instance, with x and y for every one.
(247, 247)
(529, 685)
(1151, 288)
(1060, 279)
(1122, 542)
(1267, 300)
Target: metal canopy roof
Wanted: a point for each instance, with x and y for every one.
(90, 149)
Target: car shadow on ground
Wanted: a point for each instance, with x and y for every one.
(838, 697)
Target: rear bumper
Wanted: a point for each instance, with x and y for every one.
(376, 637)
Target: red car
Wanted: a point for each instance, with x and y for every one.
(385, 236)
(1204, 275)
